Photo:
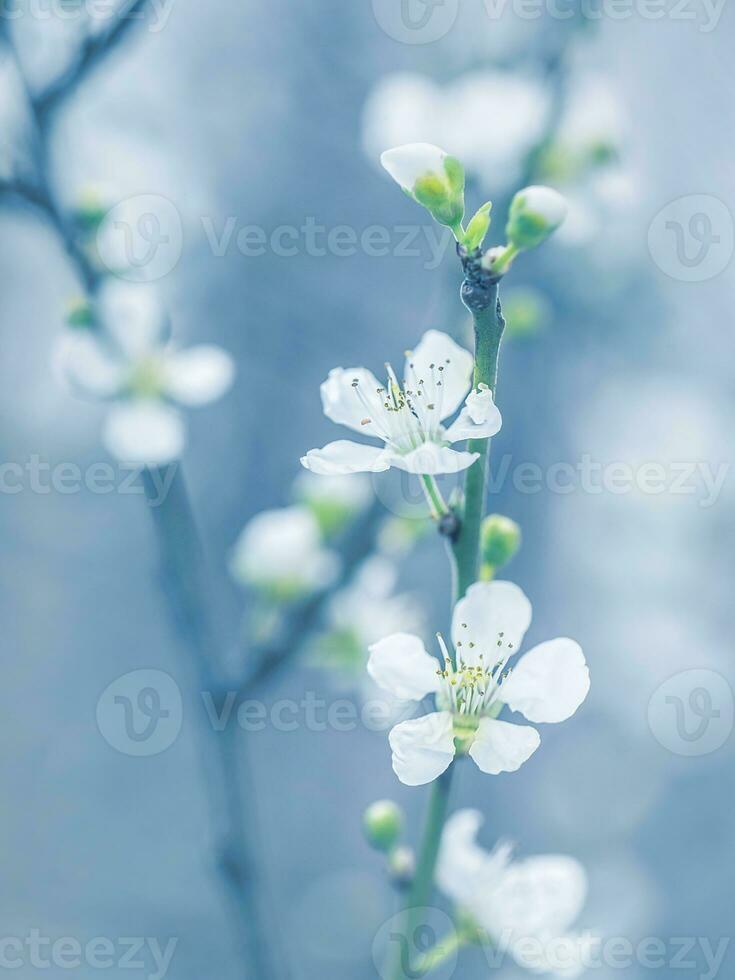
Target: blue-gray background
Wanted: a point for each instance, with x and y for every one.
(253, 111)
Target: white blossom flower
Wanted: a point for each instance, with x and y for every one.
(525, 907)
(548, 684)
(281, 552)
(489, 119)
(407, 416)
(127, 359)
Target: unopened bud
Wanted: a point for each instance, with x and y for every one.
(500, 539)
(383, 823)
(431, 177)
(535, 212)
(402, 865)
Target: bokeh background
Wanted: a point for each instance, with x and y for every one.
(256, 113)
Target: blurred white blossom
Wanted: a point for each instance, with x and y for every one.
(334, 500)
(488, 119)
(525, 907)
(280, 552)
(547, 685)
(125, 357)
(407, 416)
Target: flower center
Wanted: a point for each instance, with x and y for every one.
(471, 683)
(406, 415)
(146, 378)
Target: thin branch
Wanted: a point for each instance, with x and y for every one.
(92, 50)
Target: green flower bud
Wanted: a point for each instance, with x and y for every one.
(535, 212)
(432, 178)
(383, 824)
(500, 539)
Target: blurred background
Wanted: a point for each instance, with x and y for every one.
(619, 352)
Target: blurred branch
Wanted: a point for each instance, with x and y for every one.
(186, 586)
(93, 49)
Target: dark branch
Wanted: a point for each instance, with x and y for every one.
(91, 52)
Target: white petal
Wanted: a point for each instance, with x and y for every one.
(544, 202)
(457, 364)
(549, 683)
(144, 433)
(467, 872)
(542, 895)
(489, 609)
(499, 746)
(87, 367)
(345, 456)
(400, 665)
(431, 458)
(132, 315)
(199, 374)
(407, 163)
(422, 747)
(282, 544)
(479, 419)
(345, 404)
(562, 956)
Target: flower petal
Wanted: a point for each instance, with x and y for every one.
(145, 433)
(355, 406)
(499, 746)
(400, 664)
(431, 458)
(489, 609)
(199, 374)
(132, 315)
(541, 895)
(88, 368)
(563, 956)
(467, 872)
(438, 349)
(345, 456)
(479, 419)
(422, 747)
(407, 163)
(548, 683)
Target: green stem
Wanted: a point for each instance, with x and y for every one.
(484, 305)
(502, 262)
(433, 495)
(441, 952)
(423, 882)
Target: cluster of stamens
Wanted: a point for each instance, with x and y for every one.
(412, 408)
(472, 688)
